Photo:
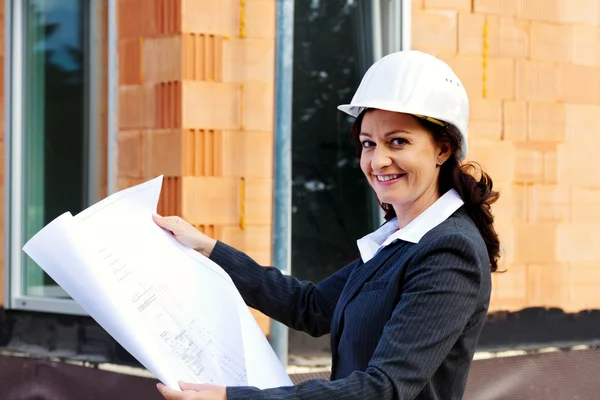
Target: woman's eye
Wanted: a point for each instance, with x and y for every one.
(367, 143)
(399, 141)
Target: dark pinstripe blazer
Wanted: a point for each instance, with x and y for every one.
(403, 325)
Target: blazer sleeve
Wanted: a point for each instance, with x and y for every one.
(440, 293)
(300, 305)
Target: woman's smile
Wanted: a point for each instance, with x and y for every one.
(388, 179)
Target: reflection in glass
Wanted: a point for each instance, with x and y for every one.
(53, 129)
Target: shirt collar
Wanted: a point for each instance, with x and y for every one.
(434, 215)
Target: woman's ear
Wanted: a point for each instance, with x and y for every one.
(445, 152)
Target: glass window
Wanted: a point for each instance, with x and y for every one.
(332, 205)
(54, 132)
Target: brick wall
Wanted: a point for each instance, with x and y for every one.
(532, 71)
(196, 103)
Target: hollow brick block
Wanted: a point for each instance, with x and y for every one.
(249, 60)
(546, 122)
(500, 7)
(580, 121)
(578, 242)
(248, 154)
(129, 153)
(130, 61)
(537, 81)
(500, 79)
(550, 42)
(168, 104)
(485, 119)
(435, 31)
(161, 59)
(137, 106)
(535, 243)
(260, 21)
(210, 17)
(508, 37)
(584, 282)
(202, 57)
(209, 105)
(496, 157)
(470, 33)
(258, 200)
(515, 120)
(549, 203)
(585, 204)
(546, 287)
(211, 200)
(458, 5)
(579, 84)
(585, 45)
(170, 201)
(162, 152)
(509, 292)
(258, 106)
(254, 240)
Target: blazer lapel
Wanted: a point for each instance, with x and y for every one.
(358, 277)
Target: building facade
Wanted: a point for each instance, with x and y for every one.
(99, 95)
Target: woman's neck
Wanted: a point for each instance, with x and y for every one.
(406, 213)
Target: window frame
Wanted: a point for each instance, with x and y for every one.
(14, 297)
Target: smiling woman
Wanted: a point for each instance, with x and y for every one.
(400, 159)
(405, 317)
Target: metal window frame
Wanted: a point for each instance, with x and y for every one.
(14, 297)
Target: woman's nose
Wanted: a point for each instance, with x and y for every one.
(381, 158)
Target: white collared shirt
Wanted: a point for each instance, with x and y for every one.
(434, 215)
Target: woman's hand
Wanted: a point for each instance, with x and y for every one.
(186, 234)
(191, 391)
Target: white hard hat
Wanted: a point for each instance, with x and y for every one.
(413, 82)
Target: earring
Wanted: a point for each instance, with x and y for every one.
(439, 162)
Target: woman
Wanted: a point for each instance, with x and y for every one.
(406, 316)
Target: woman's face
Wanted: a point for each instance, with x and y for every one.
(400, 160)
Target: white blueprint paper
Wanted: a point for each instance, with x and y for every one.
(173, 309)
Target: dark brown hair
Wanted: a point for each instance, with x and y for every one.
(476, 191)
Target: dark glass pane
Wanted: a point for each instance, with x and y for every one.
(54, 129)
(331, 203)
